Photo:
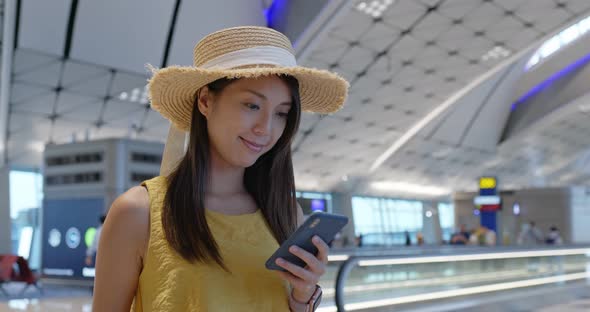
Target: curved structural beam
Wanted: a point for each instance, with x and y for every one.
(441, 109)
(438, 111)
(5, 75)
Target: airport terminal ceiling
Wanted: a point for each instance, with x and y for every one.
(79, 73)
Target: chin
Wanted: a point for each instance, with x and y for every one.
(246, 162)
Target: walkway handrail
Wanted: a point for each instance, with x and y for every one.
(472, 255)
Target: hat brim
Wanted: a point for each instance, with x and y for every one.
(173, 89)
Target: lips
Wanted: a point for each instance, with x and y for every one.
(255, 147)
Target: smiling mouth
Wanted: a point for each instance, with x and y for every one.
(257, 148)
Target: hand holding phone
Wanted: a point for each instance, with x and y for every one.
(324, 225)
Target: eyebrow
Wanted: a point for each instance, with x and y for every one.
(262, 96)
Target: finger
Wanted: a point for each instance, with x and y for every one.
(323, 249)
(314, 264)
(297, 271)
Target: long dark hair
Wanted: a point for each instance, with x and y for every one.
(269, 181)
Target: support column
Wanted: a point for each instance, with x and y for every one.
(431, 223)
(5, 73)
(5, 220)
(342, 204)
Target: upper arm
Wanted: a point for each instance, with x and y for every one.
(123, 241)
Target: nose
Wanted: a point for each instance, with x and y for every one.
(263, 125)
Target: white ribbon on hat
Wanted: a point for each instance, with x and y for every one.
(177, 141)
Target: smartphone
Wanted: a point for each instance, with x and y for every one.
(324, 225)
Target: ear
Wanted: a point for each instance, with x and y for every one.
(204, 102)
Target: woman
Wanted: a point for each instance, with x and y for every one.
(196, 238)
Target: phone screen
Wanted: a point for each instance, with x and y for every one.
(324, 225)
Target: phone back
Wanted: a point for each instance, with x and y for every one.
(324, 225)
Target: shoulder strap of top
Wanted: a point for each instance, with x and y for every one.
(156, 188)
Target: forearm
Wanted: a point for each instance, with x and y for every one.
(296, 305)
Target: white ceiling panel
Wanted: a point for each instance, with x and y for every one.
(195, 20)
(457, 9)
(581, 6)
(132, 119)
(431, 49)
(380, 36)
(47, 75)
(356, 59)
(353, 27)
(125, 82)
(122, 34)
(26, 60)
(549, 22)
(68, 102)
(95, 87)
(117, 110)
(43, 104)
(43, 25)
(512, 4)
(88, 112)
(484, 17)
(27, 123)
(406, 48)
(431, 27)
(22, 92)
(76, 72)
(404, 13)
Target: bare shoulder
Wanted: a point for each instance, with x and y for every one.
(130, 213)
(132, 206)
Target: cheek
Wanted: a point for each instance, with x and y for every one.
(278, 131)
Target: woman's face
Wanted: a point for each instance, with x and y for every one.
(246, 119)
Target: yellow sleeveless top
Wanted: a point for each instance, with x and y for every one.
(169, 283)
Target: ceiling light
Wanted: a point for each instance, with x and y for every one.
(428, 214)
(550, 47)
(496, 53)
(135, 95)
(375, 9)
(123, 96)
(569, 34)
(410, 188)
(558, 41)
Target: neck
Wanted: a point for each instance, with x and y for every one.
(225, 179)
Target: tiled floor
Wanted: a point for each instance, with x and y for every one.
(48, 305)
(570, 298)
(55, 298)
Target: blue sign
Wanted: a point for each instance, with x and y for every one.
(65, 222)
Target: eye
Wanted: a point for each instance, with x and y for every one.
(252, 106)
(282, 115)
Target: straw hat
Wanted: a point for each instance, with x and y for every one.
(241, 52)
